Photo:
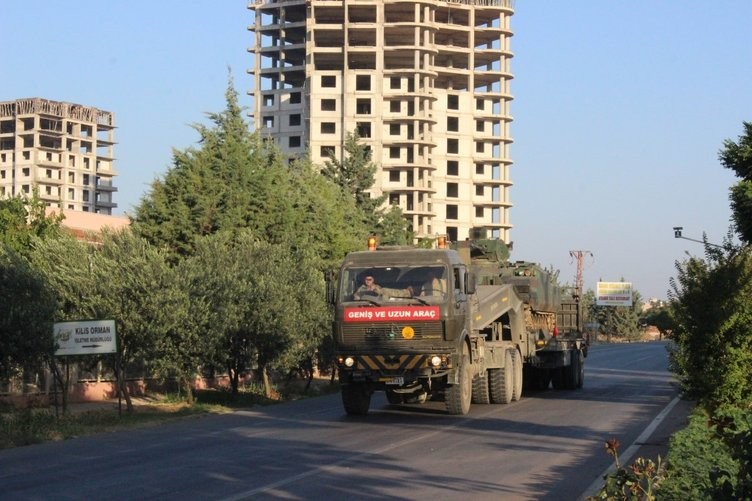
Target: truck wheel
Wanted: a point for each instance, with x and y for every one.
(517, 375)
(480, 389)
(501, 381)
(571, 373)
(558, 378)
(458, 395)
(356, 399)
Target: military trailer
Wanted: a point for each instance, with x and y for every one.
(462, 324)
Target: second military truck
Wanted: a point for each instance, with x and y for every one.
(461, 324)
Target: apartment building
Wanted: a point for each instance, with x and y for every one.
(65, 150)
(426, 85)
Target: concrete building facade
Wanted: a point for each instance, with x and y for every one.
(65, 150)
(426, 85)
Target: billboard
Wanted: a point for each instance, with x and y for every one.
(85, 337)
(613, 294)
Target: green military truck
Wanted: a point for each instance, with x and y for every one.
(460, 324)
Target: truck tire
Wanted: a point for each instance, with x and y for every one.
(458, 396)
(501, 387)
(480, 389)
(356, 399)
(571, 372)
(581, 374)
(517, 375)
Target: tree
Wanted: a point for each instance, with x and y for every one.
(660, 318)
(21, 218)
(738, 157)
(711, 302)
(27, 308)
(355, 175)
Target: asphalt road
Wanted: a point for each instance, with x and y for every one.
(548, 446)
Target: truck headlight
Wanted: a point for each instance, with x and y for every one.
(435, 361)
(349, 361)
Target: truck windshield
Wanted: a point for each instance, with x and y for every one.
(429, 283)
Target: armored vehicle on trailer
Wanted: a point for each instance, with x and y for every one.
(461, 324)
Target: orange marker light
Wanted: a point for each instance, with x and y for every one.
(441, 242)
(371, 243)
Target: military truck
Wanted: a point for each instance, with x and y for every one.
(456, 323)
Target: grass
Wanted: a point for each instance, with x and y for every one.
(32, 425)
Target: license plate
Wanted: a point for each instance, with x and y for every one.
(398, 380)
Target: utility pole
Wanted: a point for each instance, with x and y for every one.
(579, 256)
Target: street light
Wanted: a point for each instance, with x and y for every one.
(678, 234)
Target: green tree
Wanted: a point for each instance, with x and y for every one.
(660, 317)
(711, 302)
(355, 174)
(27, 308)
(737, 156)
(22, 217)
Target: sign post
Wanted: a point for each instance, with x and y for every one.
(85, 337)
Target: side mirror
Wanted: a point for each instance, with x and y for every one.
(469, 283)
(330, 287)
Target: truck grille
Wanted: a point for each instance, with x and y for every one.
(380, 334)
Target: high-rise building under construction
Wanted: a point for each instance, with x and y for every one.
(63, 150)
(425, 84)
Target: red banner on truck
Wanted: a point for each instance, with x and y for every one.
(393, 314)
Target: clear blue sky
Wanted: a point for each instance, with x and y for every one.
(620, 109)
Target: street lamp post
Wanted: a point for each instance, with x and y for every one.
(678, 234)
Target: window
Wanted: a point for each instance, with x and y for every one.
(363, 129)
(268, 99)
(295, 120)
(327, 151)
(394, 83)
(453, 146)
(71, 194)
(394, 176)
(2, 174)
(86, 195)
(479, 104)
(294, 141)
(363, 82)
(394, 152)
(86, 179)
(453, 102)
(328, 81)
(453, 168)
(479, 212)
(480, 147)
(452, 190)
(394, 129)
(328, 105)
(479, 126)
(480, 169)
(479, 190)
(363, 107)
(328, 127)
(451, 212)
(453, 124)
(394, 106)
(294, 97)
(48, 173)
(268, 122)
(25, 171)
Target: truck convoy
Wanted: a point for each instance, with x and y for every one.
(461, 324)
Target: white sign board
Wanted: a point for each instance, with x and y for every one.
(613, 294)
(87, 337)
